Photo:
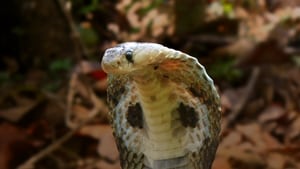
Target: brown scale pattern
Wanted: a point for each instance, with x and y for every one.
(129, 159)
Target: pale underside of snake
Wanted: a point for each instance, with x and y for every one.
(165, 110)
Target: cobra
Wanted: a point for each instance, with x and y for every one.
(164, 108)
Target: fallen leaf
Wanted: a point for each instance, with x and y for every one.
(261, 139)
(24, 100)
(273, 112)
(293, 115)
(80, 112)
(95, 131)
(271, 126)
(246, 157)
(14, 114)
(246, 146)
(232, 139)
(107, 146)
(221, 163)
(276, 161)
(231, 97)
(253, 132)
(294, 130)
(270, 141)
(101, 85)
(14, 146)
(104, 165)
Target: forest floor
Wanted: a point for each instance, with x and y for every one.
(256, 69)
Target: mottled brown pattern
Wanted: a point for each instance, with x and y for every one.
(129, 159)
(116, 91)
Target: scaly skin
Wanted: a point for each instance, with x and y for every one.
(165, 110)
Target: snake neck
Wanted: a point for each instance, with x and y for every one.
(158, 104)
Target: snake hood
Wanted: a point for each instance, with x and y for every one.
(164, 108)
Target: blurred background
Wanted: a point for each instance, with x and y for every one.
(53, 110)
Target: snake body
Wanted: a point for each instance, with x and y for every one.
(165, 110)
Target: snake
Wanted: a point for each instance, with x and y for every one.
(164, 108)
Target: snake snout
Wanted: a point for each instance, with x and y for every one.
(111, 54)
(111, 59)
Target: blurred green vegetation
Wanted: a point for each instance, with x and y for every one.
(224, 69)
(89, 36)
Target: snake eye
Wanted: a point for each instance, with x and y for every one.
(129, 56)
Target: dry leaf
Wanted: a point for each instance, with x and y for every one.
(101, 85)
(232, 139)
(294, 130)
(107, 147)
(221, 163)
(261, 139)
(14, 114)
(24, 100)
(271, 126)
(241, 13)
(273, 112)
(253, 132)
(270, 141)
(104, 165)
(80, 112)
(14, 145)
(246, 146)
(95, 131)
(276, 161)
(231, 97)
(246, 157)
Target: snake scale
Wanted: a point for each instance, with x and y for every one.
(164, 108)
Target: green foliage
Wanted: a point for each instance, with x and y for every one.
(151, 6)
(86, 8)
(60, 65)
(10, 79)
(4, 77)
(57, 73)
(224, 69)
(53, 86)
(89, 36)
(134, 30)
(228, 8)
(145, 10)
(19, 31)
(296, 60)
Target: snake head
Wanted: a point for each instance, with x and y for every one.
(130, 57)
